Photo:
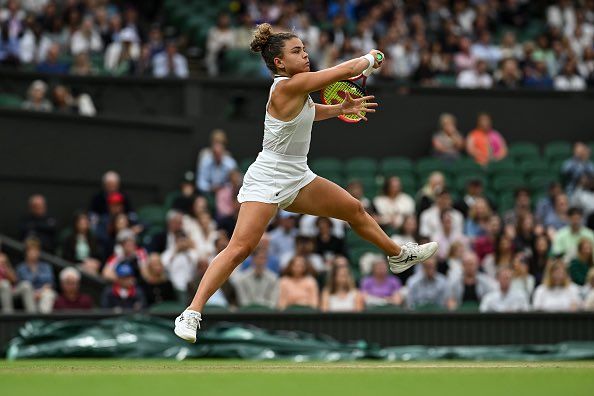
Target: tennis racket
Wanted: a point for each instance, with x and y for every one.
(335, 93)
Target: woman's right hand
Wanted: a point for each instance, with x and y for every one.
(374, 53)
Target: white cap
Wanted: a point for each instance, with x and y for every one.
(128, 34)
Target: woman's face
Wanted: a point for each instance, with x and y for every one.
(586, 248)
(121, 222)
(298, 269)
(542, 245)
(200, 205)
(82, 224)
(294, 59)
(379, 269)
(484, 123)
(527, 224)
(505, 245)
(342, 276)
(394, 186)
(409, 226)
(558, 276)
(481, 207)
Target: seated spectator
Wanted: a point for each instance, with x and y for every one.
(484, 143)
(574, 168)
(583, 262)
(263, 252)
(81, 246)
(424, 75)
(428, 193)
(452, 265)
(52, 63)
(126, 251)
(202, 230)
(82, 66)
(34, 44)
(556, 293)
(522, 206)
(474, 190)
(525, 232)
(559, 217)
(484, 49)
(39, 224)
(340, 293)
(538, 77)
(486, 244)
(504, 298)
(65, 102)
(109, 225)
(464, 59)
(220, 38)
(509, 76)
(477, 77)
(381, 287)
(9, 46)
(71, 297)
(297, 285)
(408, 232)
(282, 238)
(327, 245)
(427, 288)
(170, 63)
(10, 288)
(479, 215)
(546, 205)
(258, 285)
(305, 246)
(111, 184)
(567, 238)
(430, 220)
(569, 79)
(38, 274)
(227, 207)
(447, 143)
(36, 99)
(522, 279)
(214, 169)
(393, 204)
(86, 38)
(121, 55)
(540, 256)
(165, 239)
(123, 294)
(446, 235)
(307, 226)
(180, 260)
(154, 283)
(503, 256)
(583, 196)
(471, 287)
(187, 195)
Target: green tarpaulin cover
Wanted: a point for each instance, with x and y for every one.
(151, 337)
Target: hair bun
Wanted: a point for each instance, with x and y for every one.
(261, 36)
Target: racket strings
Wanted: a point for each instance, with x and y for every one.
(335, 94)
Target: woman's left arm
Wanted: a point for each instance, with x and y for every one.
(349, 106)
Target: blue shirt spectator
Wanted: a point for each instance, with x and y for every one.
(261, 254)
(52, 63)
(574, 168)
(214, 169)
(282, 238)
(170, 63)
(32, 270)
(427, 287)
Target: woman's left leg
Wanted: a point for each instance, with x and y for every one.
(321, 197)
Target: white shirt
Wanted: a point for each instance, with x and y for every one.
(161, 66)
(204, 244)
(32, 50)
(556, 299)
(180, 266)
(112, 55)
(393, 210)
(572, 83)
(307, 226)
(471, 79)
(512, 301)
(430, 221)
(346, 303)
(80, 43)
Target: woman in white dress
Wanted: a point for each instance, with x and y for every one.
(557, 293)
(341, 295)
(280, 177)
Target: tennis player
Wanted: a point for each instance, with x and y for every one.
(280, 177)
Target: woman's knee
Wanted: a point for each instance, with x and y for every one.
(239, 251)
(356, 212)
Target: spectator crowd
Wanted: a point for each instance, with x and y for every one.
(470, 44)
(535, 256)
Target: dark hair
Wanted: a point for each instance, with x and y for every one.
(575, 210)
(269, 44)
(288, 271)
(387, 183)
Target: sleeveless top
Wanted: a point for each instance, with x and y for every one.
(292, 137)
(346, 303)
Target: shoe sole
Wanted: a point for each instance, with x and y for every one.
(399, 270)
(190, 340)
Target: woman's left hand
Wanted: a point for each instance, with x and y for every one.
(358, 106)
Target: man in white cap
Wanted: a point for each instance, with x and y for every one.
(121, 55)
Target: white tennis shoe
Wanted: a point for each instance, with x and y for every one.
(411, 254)
(187, 324)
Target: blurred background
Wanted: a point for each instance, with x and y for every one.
(126, 126)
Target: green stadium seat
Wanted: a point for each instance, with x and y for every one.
(395, 166)
(463, 179)
(327, 165)
(505, 166)
(387, 308)
(300, 309)
(370, 187)
(334, 177)
(154, 215)
(255, 308)
(170, 198)
(212, 308)
(10, 101)
(360, 166)
(535, 167)
(446, 80)
(557, 150)
(466, 165)
(167, 307)
(520, 151)
(505, 202)
(409, 183)
(427, 165)
(245, 164)
(540, 183)
(505, 183)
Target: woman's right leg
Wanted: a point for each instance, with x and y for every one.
(251, 224)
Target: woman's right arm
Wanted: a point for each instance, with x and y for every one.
(304, 83)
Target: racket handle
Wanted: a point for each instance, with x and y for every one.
(367, 72)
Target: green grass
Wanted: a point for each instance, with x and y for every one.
(223, 377)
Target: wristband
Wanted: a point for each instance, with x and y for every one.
(370, 59)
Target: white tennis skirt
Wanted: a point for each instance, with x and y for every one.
(275, 178)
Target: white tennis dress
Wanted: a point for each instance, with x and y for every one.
(281, 170)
